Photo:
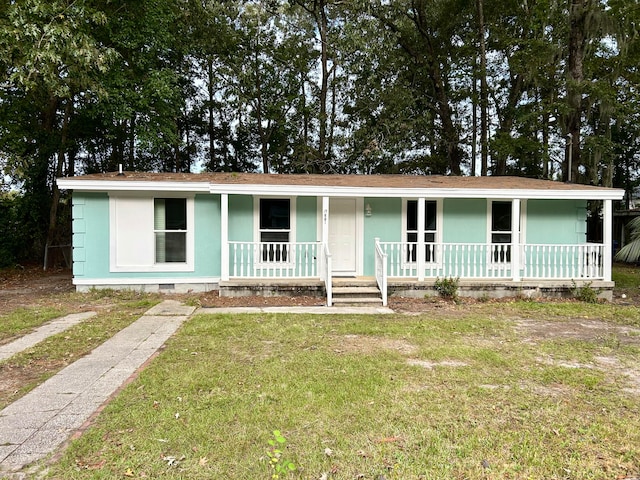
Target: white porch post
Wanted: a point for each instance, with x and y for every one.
(224, 236)
(515, 239)
(420, 245)
(607, 234)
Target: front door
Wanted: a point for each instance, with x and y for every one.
(343, 238)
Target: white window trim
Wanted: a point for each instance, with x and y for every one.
(290, 262)
(438, 232)
(523, 233)
(149, 237)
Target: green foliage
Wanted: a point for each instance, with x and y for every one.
(299, 86)
(278, 464)
(586, 293)
(12, 237)
(631, 251)
(447, 287)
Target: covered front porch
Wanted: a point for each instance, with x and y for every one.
(411, 269)
(400, 244)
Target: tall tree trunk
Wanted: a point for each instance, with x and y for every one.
(132, 143)
(214, 162)
(484, 95)
(59, 169)
(474, 118)
(575, 77)
(305, 123)
(321, 19)
(318, 11)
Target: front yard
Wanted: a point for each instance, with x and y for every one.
(471, 390)
(513, 390)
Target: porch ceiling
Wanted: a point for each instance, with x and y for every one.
(432, 186)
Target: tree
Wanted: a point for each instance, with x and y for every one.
(51, 58)
(631, 251)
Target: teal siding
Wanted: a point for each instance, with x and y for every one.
(91, 238)
(385, 223)
(241, 218)
(464, 220)
(556, 221)
(208, 244)
(90, 235)
(306, 219)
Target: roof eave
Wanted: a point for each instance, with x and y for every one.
(321, 191)
(131, 186)
(335, 191)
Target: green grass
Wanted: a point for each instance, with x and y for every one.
(626, 276)
(23, 320)
(342, 392)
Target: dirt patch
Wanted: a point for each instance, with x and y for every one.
(30, 285)
(431, 365)
(212, 299)
(534, 331)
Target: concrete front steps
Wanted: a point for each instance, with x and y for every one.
(355, 292)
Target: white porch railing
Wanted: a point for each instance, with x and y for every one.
(381, 271)
(274, 260)
(477, 260)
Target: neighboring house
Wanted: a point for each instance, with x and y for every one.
(299, 233)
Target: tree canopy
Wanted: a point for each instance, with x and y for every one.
(541, 88)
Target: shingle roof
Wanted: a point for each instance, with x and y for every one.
(353, 181)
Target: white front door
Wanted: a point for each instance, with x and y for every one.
(343, 236)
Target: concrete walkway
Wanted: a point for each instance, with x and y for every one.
(42, 333)
(318, 310)
(38, 423)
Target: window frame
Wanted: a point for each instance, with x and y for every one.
(490, 232)
(259, 259)
(139, 235)
(166, 230)
(437, 233)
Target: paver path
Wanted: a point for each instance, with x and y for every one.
(38, 423)
(42, 333)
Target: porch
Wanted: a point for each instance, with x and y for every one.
(411, 269)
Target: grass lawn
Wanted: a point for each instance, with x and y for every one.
(496, 391)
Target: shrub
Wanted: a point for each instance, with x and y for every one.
(586, 293)
(447, 287)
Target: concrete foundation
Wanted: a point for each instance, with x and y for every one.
(396, 287)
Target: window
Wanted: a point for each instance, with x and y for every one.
(501, 231)
(430, 229)
(170, 229)
(150, 234)
(275, 229)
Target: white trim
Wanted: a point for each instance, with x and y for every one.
(143, 281)
(420, 254)
(148, 237)
(522, 234)
(431, 193)
(259, 263)
(224, 236)
(359, 240)
(324, 219)
(130, 186)
(516, 232)
(607, 228)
